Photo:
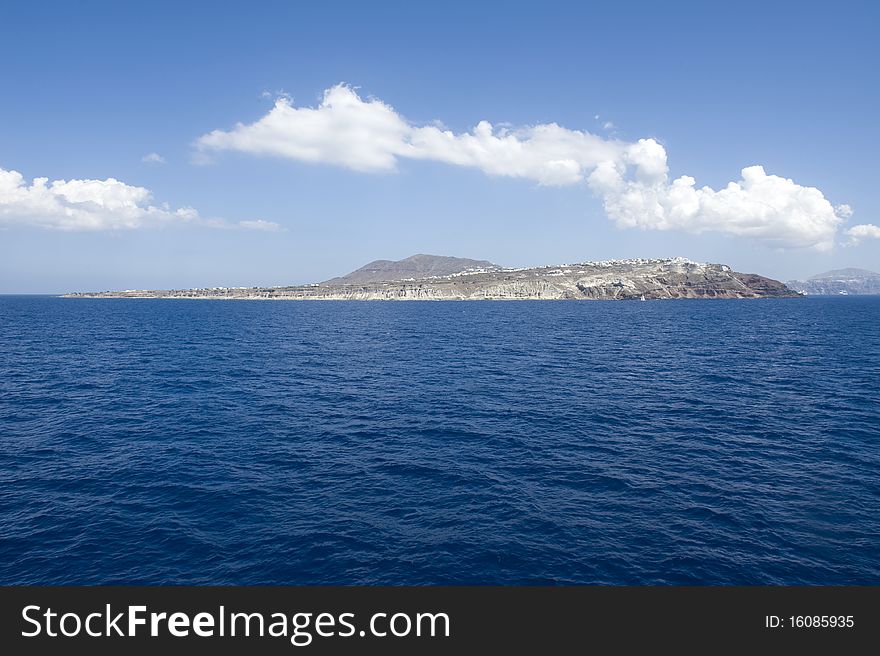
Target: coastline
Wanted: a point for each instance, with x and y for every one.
(635, 279)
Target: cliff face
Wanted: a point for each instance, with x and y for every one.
(841, 282)
(608, 280)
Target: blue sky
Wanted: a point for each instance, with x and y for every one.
(91, 88)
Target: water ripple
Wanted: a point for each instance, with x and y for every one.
(686, 442)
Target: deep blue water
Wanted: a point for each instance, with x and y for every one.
(680, 442)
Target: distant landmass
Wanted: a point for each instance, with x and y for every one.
(842, 282)
(432, 277)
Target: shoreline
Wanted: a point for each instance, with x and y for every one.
(635, 279)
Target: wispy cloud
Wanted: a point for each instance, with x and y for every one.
(260, 224)
(631, 178)
(153, 158)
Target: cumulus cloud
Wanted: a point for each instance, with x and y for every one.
(153, 158)
(637, 193)
(343, 130)
(632, 179)
(368, 135)
(92, 205)
(863, 231)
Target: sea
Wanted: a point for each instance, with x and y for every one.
(537, 443)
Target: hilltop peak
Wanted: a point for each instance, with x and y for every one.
(420, 265)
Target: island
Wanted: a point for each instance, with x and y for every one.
(439, 278)
(840, 282)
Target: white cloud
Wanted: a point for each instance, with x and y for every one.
(368, 135)
(844, 211)
(863, 231)
(153, 158)
(93, 205)
(636, 193)
(548, 154)
(344, 130)
(631, 178)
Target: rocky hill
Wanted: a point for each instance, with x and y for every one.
(413, 267)
(841, 282)
(633, 279)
